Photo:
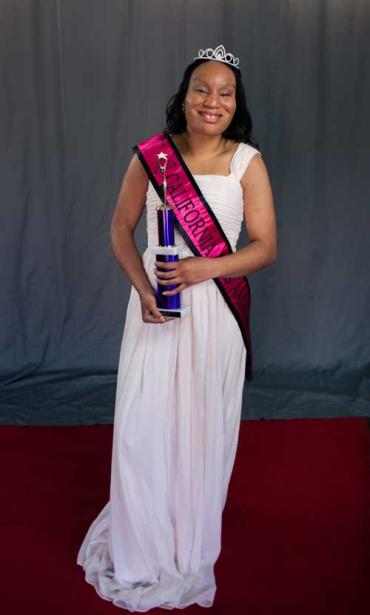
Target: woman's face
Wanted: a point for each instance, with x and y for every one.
(210, 100)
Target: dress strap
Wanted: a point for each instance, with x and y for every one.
(242, 158)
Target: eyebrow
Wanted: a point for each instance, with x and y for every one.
(228, 83)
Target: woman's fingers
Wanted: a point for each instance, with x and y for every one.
(175, 291)
(169, 281)
(165, 274)
(149, 309)
(169, 277)
(164, 278)
(176, 273)
(168, 264)
(153, 319)
(152, 315)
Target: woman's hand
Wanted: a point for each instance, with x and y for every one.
(184, 272)
(149, 309)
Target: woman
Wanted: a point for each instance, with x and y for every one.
(180, 381)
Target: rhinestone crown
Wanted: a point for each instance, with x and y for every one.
(220, 54)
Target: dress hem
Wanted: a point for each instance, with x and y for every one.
(135, 609)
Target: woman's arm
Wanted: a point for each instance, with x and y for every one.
(260, 220)
(129, 208)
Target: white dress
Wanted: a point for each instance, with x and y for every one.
(176, 428)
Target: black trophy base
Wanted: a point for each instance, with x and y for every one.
(175, 313)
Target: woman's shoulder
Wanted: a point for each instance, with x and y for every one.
(247, 147)
(242, 157)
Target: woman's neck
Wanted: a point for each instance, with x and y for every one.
(205, 146)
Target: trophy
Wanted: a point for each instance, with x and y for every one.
(167, 251)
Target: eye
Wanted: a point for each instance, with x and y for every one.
(225, 94)
(200, 90)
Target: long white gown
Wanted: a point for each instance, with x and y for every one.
(176, 428)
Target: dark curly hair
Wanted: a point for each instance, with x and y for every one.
(240, 128)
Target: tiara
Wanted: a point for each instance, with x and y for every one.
(218, 54)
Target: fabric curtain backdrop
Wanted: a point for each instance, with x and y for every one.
(82, 82)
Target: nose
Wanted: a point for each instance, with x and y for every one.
(212, 100)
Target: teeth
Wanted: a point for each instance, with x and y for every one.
(208, 116)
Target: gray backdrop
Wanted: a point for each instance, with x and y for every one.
(81, 82)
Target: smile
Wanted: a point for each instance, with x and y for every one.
(211, 118)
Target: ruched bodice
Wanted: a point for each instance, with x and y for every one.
(224, 194)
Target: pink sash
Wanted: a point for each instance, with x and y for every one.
(197, 224)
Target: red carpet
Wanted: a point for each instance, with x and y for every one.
(295, 527)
